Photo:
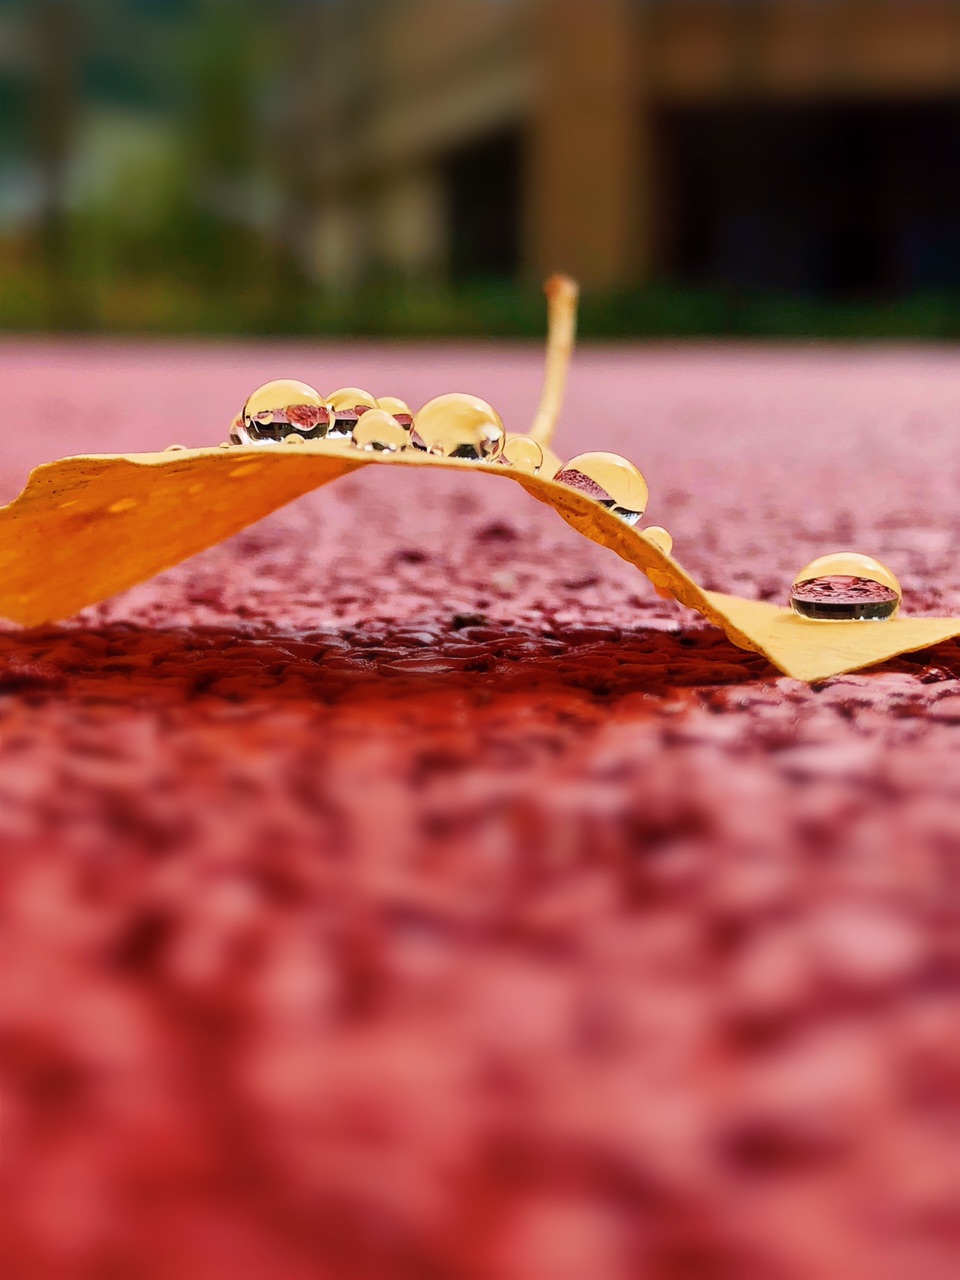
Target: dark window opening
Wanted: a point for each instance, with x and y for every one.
(483, 194)
(829, 199)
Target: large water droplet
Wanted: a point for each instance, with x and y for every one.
(610, 480)
(523, 454)
(398, 409)
(379, 432)
(459, 426)
(278, 408)
(347, 405)
(845, 587)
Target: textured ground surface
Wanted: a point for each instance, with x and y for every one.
(403, 890)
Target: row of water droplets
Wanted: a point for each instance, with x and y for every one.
(455, 425)
(840, 587)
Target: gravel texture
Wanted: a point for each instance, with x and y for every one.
(403, 890)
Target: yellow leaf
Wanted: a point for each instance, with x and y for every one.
(85, 528)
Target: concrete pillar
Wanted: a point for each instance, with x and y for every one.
(588, 201)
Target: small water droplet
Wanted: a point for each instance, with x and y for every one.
(379, 432)
(294, 438)
(398, 409)
(226, 444)
(346, 406)
(845, 587)
(278, 408)
(459, 426)
(523, 454)
(659, 537)
(174, 448)
(607, 478)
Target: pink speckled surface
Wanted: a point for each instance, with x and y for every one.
(403, 890)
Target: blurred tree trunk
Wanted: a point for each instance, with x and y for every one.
(55, 40)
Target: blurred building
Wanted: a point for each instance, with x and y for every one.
(799, 145)
(227, 147)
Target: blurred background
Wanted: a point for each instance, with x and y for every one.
(400, 889)
(415, 167)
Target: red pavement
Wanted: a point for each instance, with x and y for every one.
(403, 890)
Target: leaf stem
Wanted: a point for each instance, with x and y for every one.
(562, 294)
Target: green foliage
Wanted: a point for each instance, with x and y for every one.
(180, 297)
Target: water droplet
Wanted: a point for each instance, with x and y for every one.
(122, 504)
(379, 432)
(610, 480)
(845, 587)
(294, 438)
(659, 537)
(346, 406)
(398, 409)
(226, 444)
(459, 426)
(523, 454)
(174, 448)
(276, 409)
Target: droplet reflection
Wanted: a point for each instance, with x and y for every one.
(379, 432)
(659, 537)
(612, 481)
(846, 587)
(523, 454)
(459, 426)
(278, 408)
(398, 409)
(347, 405)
